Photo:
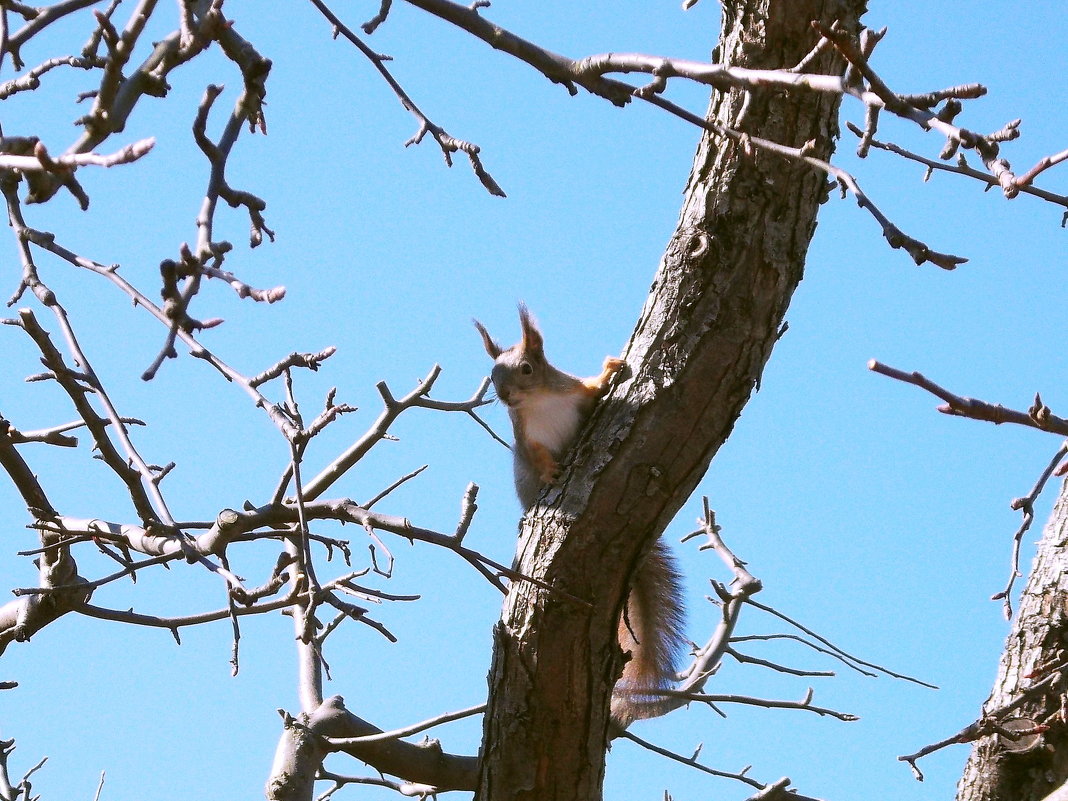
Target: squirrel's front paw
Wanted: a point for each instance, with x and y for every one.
(544, 463)
(612, 364)
(549, 471)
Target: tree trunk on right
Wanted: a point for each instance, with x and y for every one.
(1034, 766)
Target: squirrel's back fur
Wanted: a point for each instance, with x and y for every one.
(547, 408)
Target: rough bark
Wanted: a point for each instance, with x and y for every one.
(713, 315)
(1030, 768)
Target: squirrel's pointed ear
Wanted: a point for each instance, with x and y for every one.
(532, 339)
(492, 348)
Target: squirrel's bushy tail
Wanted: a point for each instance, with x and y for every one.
(651, 630)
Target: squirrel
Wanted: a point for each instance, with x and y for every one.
(547, 408)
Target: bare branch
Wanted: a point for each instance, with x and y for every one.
(961, 168)
(489, 430)
(406, 789)
(765, 791)
(447, 143)
(989, 723)
(24, 478)
(804, 704)
(986, 146)
(407, 731)
(217, 154)
(243, 290)
(47, 241)
(844, 659)
(311, 361)
(50, 437)
(419, 763)
(138, 478)
(468, 507)
(1043, 164)
(838, 650)
(151, 541)
(707, 658)
(918, 250)
(403, 479)
(752, 660)
(372, 24)
(32, 79)
(42, 161)
(38, 22)
(130, 569)
(418, 398)
(1026, 504)
(745, 580)
(590, 73)
(56, 435)
(175, 623)
(1039, 416)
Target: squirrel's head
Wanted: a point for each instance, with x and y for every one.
(520, 368)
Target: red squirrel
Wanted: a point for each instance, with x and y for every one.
(548, 408)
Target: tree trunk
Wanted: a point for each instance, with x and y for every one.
(1031, 767)
(713, 315)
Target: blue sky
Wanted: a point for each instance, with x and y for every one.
(870, 517)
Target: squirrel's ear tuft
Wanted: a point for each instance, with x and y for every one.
(532, 339)
(492, 348)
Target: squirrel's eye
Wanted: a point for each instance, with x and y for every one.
(526, 368)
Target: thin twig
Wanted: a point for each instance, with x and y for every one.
(1038, 416)
(407, 731)
(403, 479)
(447, 143)
(1026, 504)
(764, 790)
(987, 724)
(836, 649)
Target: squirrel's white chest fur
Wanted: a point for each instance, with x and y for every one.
(549, 419)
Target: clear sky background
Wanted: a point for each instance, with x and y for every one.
(869, 517)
